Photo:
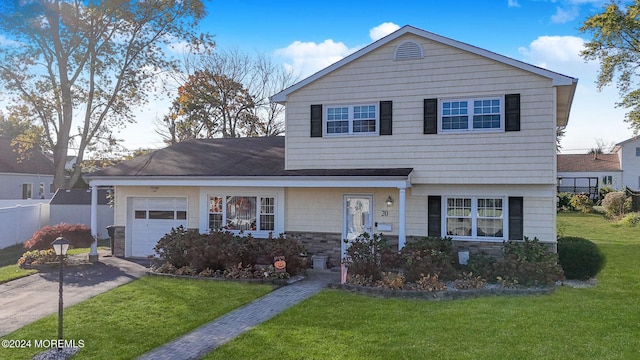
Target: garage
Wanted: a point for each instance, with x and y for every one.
(150, 219)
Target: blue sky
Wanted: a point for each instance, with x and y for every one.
(306, 36)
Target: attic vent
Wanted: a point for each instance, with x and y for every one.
(408, 50)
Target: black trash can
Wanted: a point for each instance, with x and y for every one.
(111, 230)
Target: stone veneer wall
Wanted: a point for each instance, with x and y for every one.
(329, 244)
(118, 241)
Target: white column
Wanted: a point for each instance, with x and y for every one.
(93, 254)
(402, 219)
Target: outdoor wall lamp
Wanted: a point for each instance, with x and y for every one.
(389, 201)
(60, 246)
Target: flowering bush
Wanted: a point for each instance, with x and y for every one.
(78, 235)
(35, 257)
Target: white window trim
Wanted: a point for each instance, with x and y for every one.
(256, 233)
(474, 218)
(350, 133)
(469, 101)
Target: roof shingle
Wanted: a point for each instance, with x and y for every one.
(234, 157)
(588, 162)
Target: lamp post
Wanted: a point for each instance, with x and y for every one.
(60, 246)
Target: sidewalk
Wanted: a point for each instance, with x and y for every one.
(28, 299)
(208, 337)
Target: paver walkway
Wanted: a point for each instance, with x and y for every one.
(206, 338)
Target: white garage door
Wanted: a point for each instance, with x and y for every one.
(151, 219)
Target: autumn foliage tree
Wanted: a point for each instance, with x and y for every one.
(81, 67)
(227, 95)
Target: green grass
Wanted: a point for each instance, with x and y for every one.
(12, 272)
(596, 323)
(11, 254)
(139, 316)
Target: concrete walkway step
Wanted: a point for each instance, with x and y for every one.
(208, 337)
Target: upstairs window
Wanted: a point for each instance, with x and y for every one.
(351, 120)
(479, 114)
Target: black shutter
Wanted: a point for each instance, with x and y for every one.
(516, 218)
(386, 115)
(434, 216)
(512, 112)
(430, 116)
(316, 120)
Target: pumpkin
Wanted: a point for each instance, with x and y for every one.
(279, 263)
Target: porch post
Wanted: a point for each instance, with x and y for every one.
(402, 218)
(93, 254)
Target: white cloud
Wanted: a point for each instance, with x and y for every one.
(306, 58)
(382, 30)
(592, 110)
(565, 15)
(7, 42)
(513, 3)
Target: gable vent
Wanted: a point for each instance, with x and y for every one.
(408, 50)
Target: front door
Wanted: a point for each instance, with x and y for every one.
(358, 218)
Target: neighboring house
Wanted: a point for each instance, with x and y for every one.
(73, 206)
(587, 173)
(27, 175)
(413, 135)
(629, 155)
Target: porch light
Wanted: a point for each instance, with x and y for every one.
(389, 201)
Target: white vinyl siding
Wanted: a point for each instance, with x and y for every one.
(495, 157)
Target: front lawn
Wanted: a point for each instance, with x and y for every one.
(595, 323)
(137, 317)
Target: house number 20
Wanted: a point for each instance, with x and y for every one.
(385, 212)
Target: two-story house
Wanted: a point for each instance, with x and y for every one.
(413, 135)
(24, 175)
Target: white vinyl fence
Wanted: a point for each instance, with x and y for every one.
(19, 222)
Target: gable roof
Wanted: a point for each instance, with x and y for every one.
(588, 163)
(225, 158)
(566, 85)
(31, 162)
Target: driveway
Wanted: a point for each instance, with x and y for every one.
(33, 297)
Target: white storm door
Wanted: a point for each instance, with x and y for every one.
(358, 218)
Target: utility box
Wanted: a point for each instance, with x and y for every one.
(319, 262)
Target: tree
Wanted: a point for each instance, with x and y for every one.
(602, 147)
(81, 66)
(616, 45)
(227, 95)
(24, 135)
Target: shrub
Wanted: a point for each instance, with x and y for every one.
(391, 280)
(580, 258)
(34, 257)
(173, 247)
(364, 255)
(430, 283)
(582, 203)
(469, 281)
(616, 204)
(429, 255)
(564, 201)
(79, 236)
(631, 219)
(528, 263)
(482, 264)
